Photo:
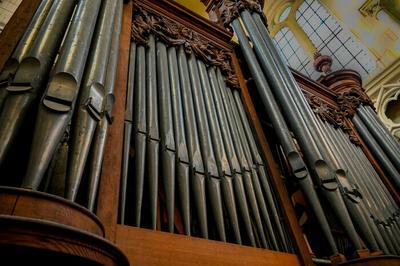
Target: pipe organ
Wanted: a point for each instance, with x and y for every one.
(139, 132)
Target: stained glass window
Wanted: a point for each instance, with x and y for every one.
(331, 39)
(293, 53)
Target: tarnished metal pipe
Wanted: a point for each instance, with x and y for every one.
(57, 105)
(91, 99)
(168, 147)
(23, 47)
(351, 196)
(140, 130)
(258, 163)
(378, 152)
(302, 120)
(198, 78)
(243, 162)
(193, 145)
(153, 137)
(285, 138)
(127, 132)
(182, 156)
(382, 127)
(217, 141)
(100, 135)
(391, 152)
(32, 72)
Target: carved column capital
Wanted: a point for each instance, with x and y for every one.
(172, 33)
(348, 87)
(230, 9)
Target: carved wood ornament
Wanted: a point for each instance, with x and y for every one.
(351, 99)
(332, 115)
(230, 9)
(173, 33)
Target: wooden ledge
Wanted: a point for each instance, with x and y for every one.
(42, 242)
(148, 247)
(42, 206)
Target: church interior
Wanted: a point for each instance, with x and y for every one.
(200, 132)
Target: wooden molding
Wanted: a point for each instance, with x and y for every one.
(148, 247)
(107, 208)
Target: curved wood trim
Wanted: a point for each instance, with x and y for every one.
(38, 205)
(48, 236)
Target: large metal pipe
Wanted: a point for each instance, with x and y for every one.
(168, 147)
(382, 127)
(369, 192)
(153, 137)
(285, 138)
(216, 135)
(302, 120)
(140, 130)
(378, 152)
(91, 99)
(193, 145)
(258, 163)
(182, 156)
(199, 83)
(234, 164)
(23, 47)
(243, 162)
(29, 79)
(100, 135)
(58, 102)
(127, 132)
(59, 170)
(352, 198)
(391, 152)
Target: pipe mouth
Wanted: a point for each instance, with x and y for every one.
(325, 175)
(297, 164)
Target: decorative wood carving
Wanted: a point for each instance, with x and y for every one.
(348, 88)
(173, 33)
(230, 9)
(322, 63)
(332, 115)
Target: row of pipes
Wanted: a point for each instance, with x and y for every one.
(334, 167)
(187, 128)
(61, 75)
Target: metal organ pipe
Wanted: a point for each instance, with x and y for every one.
(91, 99)
(23, 47)
(58, 103)
(27, 84)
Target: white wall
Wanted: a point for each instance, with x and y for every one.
(7, 8)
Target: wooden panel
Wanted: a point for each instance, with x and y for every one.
(288, 210)
(107, 209)
(15, 28)
(147, 247)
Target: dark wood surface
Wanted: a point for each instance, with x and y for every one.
(15, 28)
(148, 247)
(374, 261)
(38, 205)
(42, 241)
(107, 209)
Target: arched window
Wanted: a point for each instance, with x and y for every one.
(294, 54)
(331, 39)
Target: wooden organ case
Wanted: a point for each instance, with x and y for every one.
(194, 169)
